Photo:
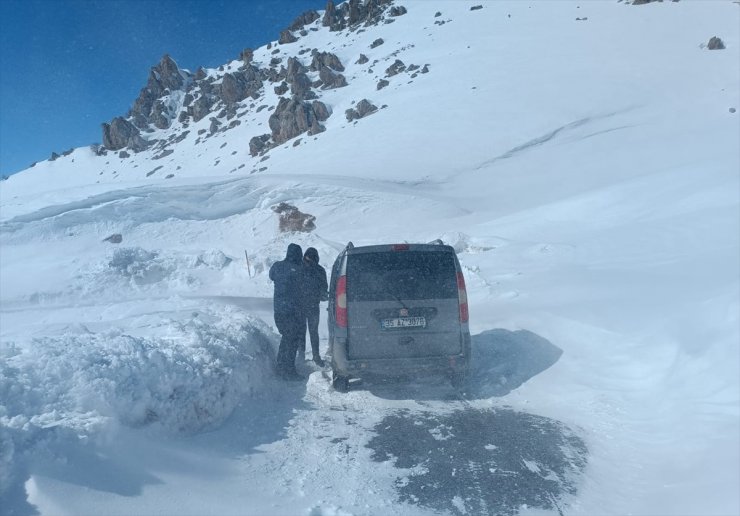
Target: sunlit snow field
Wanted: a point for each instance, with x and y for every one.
(586, 173)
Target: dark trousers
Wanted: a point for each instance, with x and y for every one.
(312, 325)
(290, 326)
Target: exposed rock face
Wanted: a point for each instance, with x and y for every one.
(382, 83)
(246, 56)
(476, 7)
(304, 19)
(362, 60)
(397, 67)
(282, 88)
(287, 37)
(237, 86)
(293, 117)
(325, 59)
(397, 10)
(292, 219)
(320, 110)
(330, 79)
(201, 107)
(354, 12)
(258, 144)
(377, 43)
(364, 108)
(121, 133)
(163, 78)
(716, 43)
(115, 238)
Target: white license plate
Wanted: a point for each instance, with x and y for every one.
(403, 322)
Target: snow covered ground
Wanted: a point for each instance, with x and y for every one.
(587, 173)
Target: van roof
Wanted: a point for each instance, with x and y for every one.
(400, 247)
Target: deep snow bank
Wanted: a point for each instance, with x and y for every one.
(182, 376)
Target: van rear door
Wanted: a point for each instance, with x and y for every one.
(403, 303)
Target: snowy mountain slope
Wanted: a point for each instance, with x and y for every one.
(586, 171)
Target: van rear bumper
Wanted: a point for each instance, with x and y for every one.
(399, 366)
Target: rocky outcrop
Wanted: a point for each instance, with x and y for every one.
(237, 86)
(363, 108)
(163, 78)
(331, 80)
(258, 144)
(293, 117)
(320, 110)
(377, 43)
(397, 10)
(246, 56)
(352, 13)
(362, 60)
(325, 59)
(397, 67)
(201, 107)
(121, 133)
(304, 19)
(287, 37)
(716, 43)
(382, 83)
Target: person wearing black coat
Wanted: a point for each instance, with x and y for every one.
(288, 277)
(315, 290)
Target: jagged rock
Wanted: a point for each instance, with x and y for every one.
(214, 125)
(183, 117)
(291, 118)
(188, 99)
(425, 69)
(121, 133)
(325, 59)
(362, 60)
(237, 86)
(355, 12)
(123, 154)
(397, 67)
(330, 15)
(163, 154)
(397, 10)
(54, 156)
(269, 45)
(476, 7)
(382, 83)
(200, 74)
(294, 68)
(282, 88)
(258, 144)
(316, 128)
(160, 115)
(276, 61)
(715, 43)
(162, 77)
(246, 56)
(234, 123)
(115, 238)
(364, 108)
(300, 85)
(292, 219)
(317, 83)
(304, 19)
(437, 14)
(303, 32)
(330, 79)
(201, 107)
(320, 110)
(412, 68)
(377, 43)
(287, 37)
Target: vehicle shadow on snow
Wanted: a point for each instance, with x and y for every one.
(481, 461)
(486, 461)
(501, 361)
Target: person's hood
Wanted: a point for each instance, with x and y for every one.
(312, 254)
(294, 254)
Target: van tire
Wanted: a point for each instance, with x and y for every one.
(339, 382)
(458, 379)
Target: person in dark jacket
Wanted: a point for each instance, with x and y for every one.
(288, 309)
(315, 290)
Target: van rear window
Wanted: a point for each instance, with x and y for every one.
(404, 274)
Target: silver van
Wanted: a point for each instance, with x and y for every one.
(398, 310)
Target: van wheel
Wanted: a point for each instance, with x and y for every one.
(339, 382)
(458, 379)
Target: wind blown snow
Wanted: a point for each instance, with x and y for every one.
(581, 157)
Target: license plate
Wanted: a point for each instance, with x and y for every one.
(403, 322)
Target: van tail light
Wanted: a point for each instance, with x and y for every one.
(341, 302)
(462, 296)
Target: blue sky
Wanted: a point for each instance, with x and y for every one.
(66, 66)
